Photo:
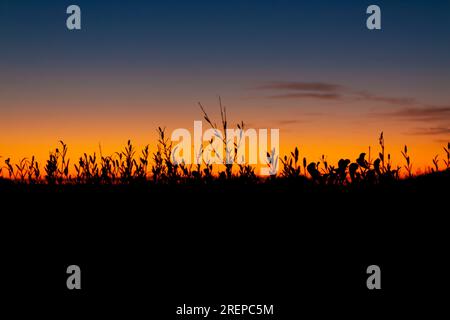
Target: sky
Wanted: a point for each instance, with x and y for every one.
(310, 68)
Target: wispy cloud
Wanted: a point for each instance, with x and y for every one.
(327, 91)
(322, 96)
(303, 90)
(437, 118)
(430, 131)
(301, 86)
(402, 101)
(423, 113)
(289, 122)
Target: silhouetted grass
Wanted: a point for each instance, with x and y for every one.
(132, 167)
(128, 167)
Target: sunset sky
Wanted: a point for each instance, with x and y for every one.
(310, 68)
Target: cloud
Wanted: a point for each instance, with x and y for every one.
(440, 112)
(323, 96)
(431, 131)
(327, 91)
(402, 101)
(288, 122)
(301, 86)
(303, 90)
(406, 108)
(423, 113)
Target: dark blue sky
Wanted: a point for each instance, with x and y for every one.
(227, 33)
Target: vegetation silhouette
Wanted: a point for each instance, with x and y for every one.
(130, 167)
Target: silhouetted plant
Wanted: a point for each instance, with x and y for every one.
(130, 166)
(231, 152)
(313, 172)
(141, 169)
(57, 166)
(10, 168)
(22, 169)
(34, 173)
(354, 175)
(304, 166)
(126, 162)
(227, 161)
(164, 168)
(447, 151)
(435, 163)
(381, 154)
(408, 165)
(342, 170)
(272, 163)
(291, 168)
(51, 168)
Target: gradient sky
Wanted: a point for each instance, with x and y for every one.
(310, 68)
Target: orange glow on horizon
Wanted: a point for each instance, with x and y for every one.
(333, 145)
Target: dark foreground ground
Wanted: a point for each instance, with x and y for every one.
(144, 250)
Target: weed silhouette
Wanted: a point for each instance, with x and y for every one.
(129, 166)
